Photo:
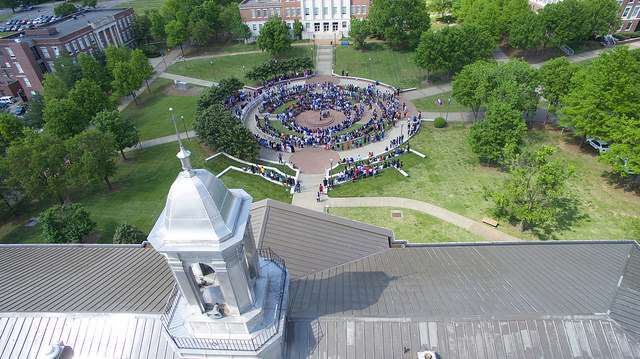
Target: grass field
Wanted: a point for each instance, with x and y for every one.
(228, 66)
(152, 117)
(415, 226)
(452, 178)
(139, 6)
(430, 104)
(142, 184)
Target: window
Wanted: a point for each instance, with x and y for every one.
(7, 65)
(344, 10)
(335, 26)
(325, 11)
(33, 93)
(307, 11)
(316, 26)
(255, 27)
(253, 13)
(635, 11)
(335, 11)
(265, 13)
(45, 52)
(18, 67)
(93, 38)
(81, 42)
(288, 25)
(325, 26)
(364, 9)
(353, 9)
(287, 12)
(357, 9)
(270, 12)
(26, 81)
(56, 51)
(626, 11)
(259, 13)
(66, 46)
(278, 11)
(75, 46)
(10, 52)
(628, 26)
(344, 24)
(307, 25)
(86, 39)
(315, 11)
(297, 12)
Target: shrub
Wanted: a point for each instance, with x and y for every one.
(66, 223)
(439, 122)
(128, 234)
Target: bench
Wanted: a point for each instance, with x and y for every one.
(490, 221)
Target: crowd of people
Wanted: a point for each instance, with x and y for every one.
(369, 167)
(351, 100)
(275, 176)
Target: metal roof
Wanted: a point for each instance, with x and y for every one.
(312, 241)
(83, 278)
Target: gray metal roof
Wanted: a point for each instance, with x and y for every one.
(116, 336)
(473, 280)
(69, 278)
(626, 304)
(312, 241)
(462, 338)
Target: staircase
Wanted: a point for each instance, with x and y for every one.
(324, 59)
(567, 50)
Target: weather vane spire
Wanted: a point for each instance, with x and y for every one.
(183, 154)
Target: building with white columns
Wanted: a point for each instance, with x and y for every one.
(321, 19)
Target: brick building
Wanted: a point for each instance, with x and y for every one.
(26, 56)
(629, 12)
(326, 19)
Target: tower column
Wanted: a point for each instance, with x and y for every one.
(187, 286)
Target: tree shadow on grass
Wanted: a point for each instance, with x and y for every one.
(568, 215)
(622, 183)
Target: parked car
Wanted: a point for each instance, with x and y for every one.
(598, 144)
(19, 110)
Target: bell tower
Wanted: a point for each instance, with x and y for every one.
(225, 292)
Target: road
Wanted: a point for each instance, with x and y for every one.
(47, 9)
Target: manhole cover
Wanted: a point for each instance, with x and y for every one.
(396, 214)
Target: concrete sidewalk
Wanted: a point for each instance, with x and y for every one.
(191, 80)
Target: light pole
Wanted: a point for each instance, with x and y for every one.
(213, 73)
(312, 61)
(244, 74)
(335, 56)
(185, 128)
(447, 116)
(369, 68)
(184, 61)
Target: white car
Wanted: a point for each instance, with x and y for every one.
(599, 145)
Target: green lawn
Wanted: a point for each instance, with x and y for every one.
(142, 185)
(415, 226)
(452, 178)
(152, 117)
(228, 66)
(140, 6)
(430, 104)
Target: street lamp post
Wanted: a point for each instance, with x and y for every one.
(175, 126)
(312, 60)
(447, 116)
(335, 56)
(212, 72)
(184, 61)
(369, 68)
(244, 74)
(185, 128)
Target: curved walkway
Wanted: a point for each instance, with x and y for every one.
(470, 225)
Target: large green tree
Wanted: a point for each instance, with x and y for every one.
(221, 129)
(93, 71)
(158, 24)
(555, 78)
(201, 33)
(359, 31)
(143, 69)
(474, 84)
(128, 234)
(177, 34)
(563, 22)
(123, 130)
(400, 22)
(91, 157)
(64, 9)
(503, 130)
(533, 188)
(64, 118)
(274, 37)
(142, 28)
(9, 4)
(90, 98)
(527, 32)
(33, 117)
(298, 28)
(66, 223)
(495, 16)
(624, 155)
(11, 129)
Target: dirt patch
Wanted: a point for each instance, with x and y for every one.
(312, 119)
(114, 189)
(174, 90)
(323, 79)
(314, 160)
(93, 238)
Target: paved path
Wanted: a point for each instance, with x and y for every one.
(162, 140)
(470, 225)
(190, 80)
(324, 60)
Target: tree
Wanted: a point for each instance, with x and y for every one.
(359, 31)
(177, 34)
(93, 71)
(9, 192)
(624, 155)
(66, 223)
(38, 164)
(602, 16)
(125, 80)
(123, 130)
(128, 234)
(90, 98)
(494, 16)
(9, 4)
(502, 130)
(142, 28)
(555, 78)
(516, 84)
(89, 3)
(91, 157)
(440, 7)
(67, 69)
(217, 94)
(53, 88)
(11, 129)
(64, 118)
(158, 24)
(242, 31)
(116, 55)
(298, 28)
(430, 52)
(633, 228)
(527, 32)
(229, 18)
(392, 20)
(140, 63)
(473, 85)
(533, 188)
(64, 9)
(221, 129)
(274, 37)
(563, 22)
(33, 117)
(602, 92)
(201, 32)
